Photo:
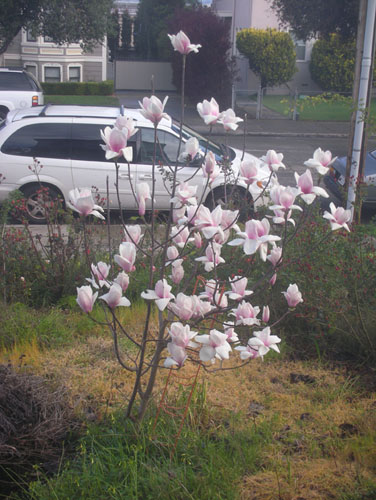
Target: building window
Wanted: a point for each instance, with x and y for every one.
(30, 37)
(48, 39)
(31, 68)
(74, 73)
(52, 74)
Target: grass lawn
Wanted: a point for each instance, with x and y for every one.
(89, 100)
(277, 429)
(326, 111)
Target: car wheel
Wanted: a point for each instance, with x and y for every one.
(37, 200)
(237, 199)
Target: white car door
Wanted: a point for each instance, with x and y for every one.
(166, 154)
(91, 169)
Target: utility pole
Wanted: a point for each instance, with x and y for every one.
(361, 102)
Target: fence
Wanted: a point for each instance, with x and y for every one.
(262, 103)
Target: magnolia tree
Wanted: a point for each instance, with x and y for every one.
(202, 328)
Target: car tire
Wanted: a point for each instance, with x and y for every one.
(237, 199)
(35, 202)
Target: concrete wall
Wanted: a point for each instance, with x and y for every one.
(136, 75)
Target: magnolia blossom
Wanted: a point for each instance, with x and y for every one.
(177, 271)
(182, 335)
(229, 219)
(339, 217)
(265, 314)
(200, 307)
(182, 43)
(209, 222)
(249, 171)
(185, 194)
(275, 256)
(114, 297)
(209, 111)
(238, 286)
(232, 336)
(283, 198)
(85, 298)
(321, 161)
(153, 109)
(247, 352)
(273, 279)
(182, 307)
(82, 200)
(127, 257)
(161, 294)
(100, 271)
(210, 168)
(177, 356)
(307, 190)
(246, 314)
(211, 288)
(192, 147)
(197, 240)
(133, 234)
(215, 346)
(229, 120)
(142, 194)
(220, 300)
(255, 237)
(263, 341)
(293, 296)
(212, 257)
(116, 143)
(178, 214)
(273, 160)
(126, 125)
(172, 254)
(122, 279)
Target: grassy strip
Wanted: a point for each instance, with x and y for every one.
(88, 100)
(326, 111)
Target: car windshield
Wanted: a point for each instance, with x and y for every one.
(205, 143)
(373, 153)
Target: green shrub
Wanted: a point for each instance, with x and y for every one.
(79, 88)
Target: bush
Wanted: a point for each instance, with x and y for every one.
(270, 53)
(208, 73)
(79, 88)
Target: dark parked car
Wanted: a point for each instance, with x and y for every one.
(335, 179)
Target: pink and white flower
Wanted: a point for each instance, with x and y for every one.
(177, 271)
(100, 272)
(133, 233)
(209, 222)
(263, 341)
(126, 257)
(212, 257)
(185, 194)
(142, 194)
(180, 236)
(153, 109)
(246, 314)
(161, 294)
(126, 125)
(321, 161)
(273, 160)
(215, 346)
(275, 256)
(247, 352)
(249, 171)
(307, 190)
(209, 111)
(265, 314)
(229, 120)
(293, 296)
(182, 307)
(115, 143)
(255, 237)
(177, 356)
(86, 298)
(238, 286)
(192, 147)
(114, 297)
(182, 335)
(210, 168)
(122, 279)
(82, 200)
(232, 336)
(338, 218)
(182, 43)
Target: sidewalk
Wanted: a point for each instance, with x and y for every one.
(266, 127)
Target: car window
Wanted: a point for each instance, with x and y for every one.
(205, 143)
(87, 141)
(166, 150)
(14, 81)
(42, 140)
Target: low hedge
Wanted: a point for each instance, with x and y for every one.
(79, 88)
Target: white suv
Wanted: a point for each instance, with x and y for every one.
(18, 89)
(67, 142)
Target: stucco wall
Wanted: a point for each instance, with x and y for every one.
(137, 75)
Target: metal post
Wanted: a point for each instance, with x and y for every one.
(233, 97)
(259, 98)
(362, 99)
(294, 112)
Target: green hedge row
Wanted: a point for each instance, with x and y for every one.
(79, 88)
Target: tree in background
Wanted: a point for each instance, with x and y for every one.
(212, 63)
(126, 31)
(332, 63)
(270, 53)
(309, 19)
(113, 37)
(150, 31)
(64, 21)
